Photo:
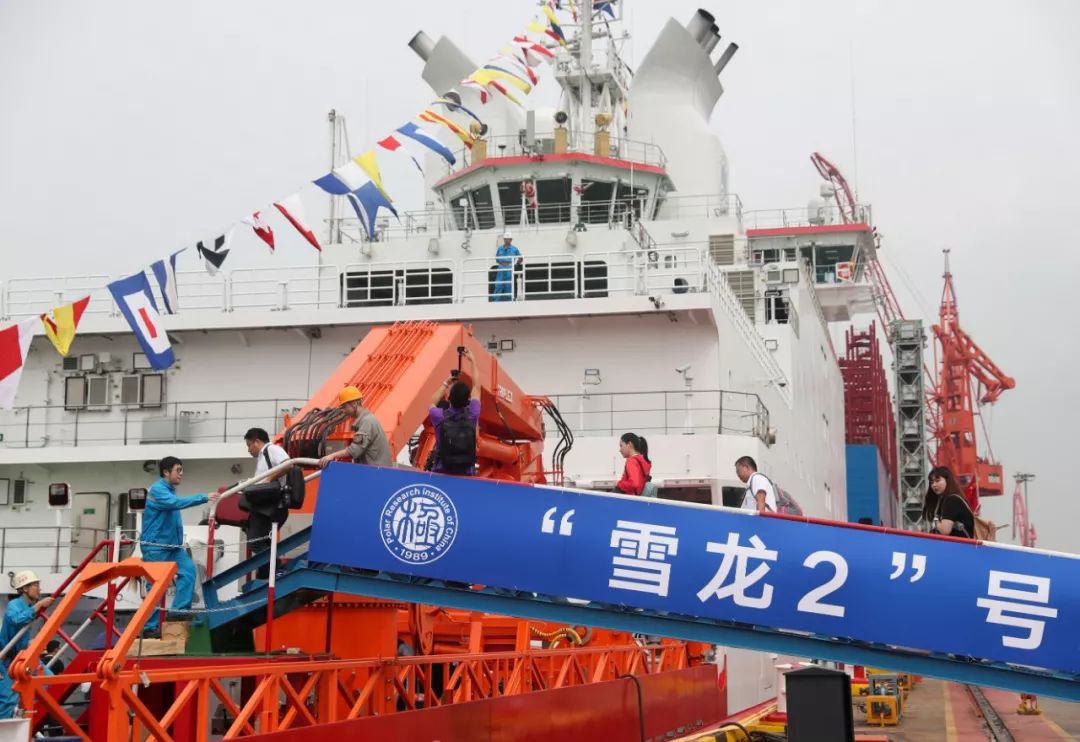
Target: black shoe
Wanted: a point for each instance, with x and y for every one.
(179, 617)
(151, 633)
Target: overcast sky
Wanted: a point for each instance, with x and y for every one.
(129, 128)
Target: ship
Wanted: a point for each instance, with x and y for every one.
(646, 298)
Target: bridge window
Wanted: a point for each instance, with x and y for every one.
(630, 201)
(824, 260)
(553, 196)
(596, 201)
(473, 209)
(483, 207)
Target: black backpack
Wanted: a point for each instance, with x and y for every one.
(457, 443)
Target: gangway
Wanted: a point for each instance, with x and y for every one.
(998, 615)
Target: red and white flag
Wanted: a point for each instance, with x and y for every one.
(14, 345)
(261, 227)
(293, 210)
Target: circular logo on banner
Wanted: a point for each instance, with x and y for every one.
(419, 524)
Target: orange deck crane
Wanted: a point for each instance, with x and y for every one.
(398, 369)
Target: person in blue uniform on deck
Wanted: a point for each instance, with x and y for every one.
(163, 535)
(21, 610)
(505, 258)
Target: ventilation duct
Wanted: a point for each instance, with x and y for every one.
(726, 57)
(700, 26)
(714, 39)
(422, 45)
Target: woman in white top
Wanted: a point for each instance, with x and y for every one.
(760, 494)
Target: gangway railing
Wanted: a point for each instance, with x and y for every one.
(794, 586)
(269, 475)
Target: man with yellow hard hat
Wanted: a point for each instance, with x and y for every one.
(369, 444)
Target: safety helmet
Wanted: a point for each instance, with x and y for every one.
(507, 236)
(24, 578)
(350, 394)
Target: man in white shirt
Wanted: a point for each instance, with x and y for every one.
(258, 528)
(760, 493)
(266, 454)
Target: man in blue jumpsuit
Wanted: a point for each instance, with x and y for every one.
(21, 610)
(162, 537)
(505, 257)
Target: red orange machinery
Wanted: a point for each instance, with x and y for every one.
(398, 370)
(962, 363)
(355, 656)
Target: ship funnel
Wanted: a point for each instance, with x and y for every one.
(699, 26)
(726, 57)
(714, 39)
(422, 45)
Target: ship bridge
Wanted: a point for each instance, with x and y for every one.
(510, 181)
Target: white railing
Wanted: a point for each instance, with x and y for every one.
(398, 283)
(214, 421)
(448, 224)
(592, 275)
(685, 412)
(802, 216)
(733, 309)
(511, 145)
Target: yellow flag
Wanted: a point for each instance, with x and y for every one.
(60, 328)
(369, 165)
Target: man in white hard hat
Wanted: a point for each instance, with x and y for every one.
(505, 257)
(21, 610)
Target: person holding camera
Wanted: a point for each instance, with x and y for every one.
(945, 509)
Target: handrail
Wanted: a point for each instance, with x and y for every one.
(270, 473)
(60, 590)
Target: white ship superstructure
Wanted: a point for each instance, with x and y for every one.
(638, 306)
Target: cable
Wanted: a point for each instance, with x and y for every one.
(738, 726)
(640, 703)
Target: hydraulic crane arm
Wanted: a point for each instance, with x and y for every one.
(398, 369)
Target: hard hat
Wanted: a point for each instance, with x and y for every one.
(350, 394)
(507, 236)
(24, 578)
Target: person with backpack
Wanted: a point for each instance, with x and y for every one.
(455, 425)
(261, 517)
(636, 479)
(760, 493)
(945, 510)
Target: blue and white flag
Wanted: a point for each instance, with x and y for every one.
(136, 303)
(366, 202)
(165, 273)
(414, 132)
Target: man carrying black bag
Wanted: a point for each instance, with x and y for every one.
(267, 506)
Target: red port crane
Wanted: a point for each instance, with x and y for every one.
(966, 378)
(951, 402)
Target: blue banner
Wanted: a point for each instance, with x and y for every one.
(989, 602)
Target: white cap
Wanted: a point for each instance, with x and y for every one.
(507, 236)
(24, 578)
